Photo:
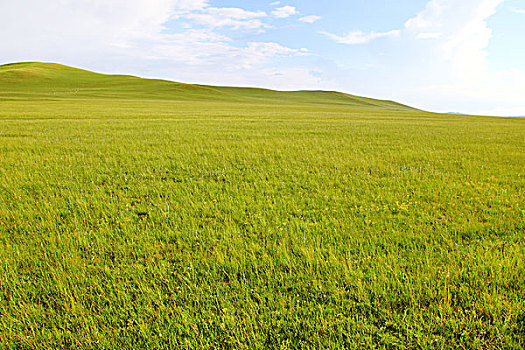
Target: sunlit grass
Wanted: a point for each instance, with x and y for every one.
(128, 224)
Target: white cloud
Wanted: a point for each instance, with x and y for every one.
(85, 25)
(359, 37)
(310, 19)
(429, 35)
(460, 74)
(204, 50)
(233, 17)
(428, 17)
(189, 5)
(519, 11)
(275, 3)
(465, 33)
(449, 71)
(131, 33)
(284, 12)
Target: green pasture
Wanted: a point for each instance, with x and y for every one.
(145, 214)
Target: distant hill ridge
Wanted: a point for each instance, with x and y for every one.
(37, 80)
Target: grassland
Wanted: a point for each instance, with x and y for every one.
(147, 214)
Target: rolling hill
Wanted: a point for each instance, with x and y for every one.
(50, 81)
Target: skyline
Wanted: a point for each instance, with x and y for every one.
(439, 55)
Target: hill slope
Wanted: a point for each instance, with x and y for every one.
(34, 80)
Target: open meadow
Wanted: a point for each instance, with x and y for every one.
(138, 214)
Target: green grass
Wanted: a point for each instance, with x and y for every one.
(47, 81)
(147, 214)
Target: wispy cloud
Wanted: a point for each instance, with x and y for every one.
(519, 11)
(135, 31)
(186, 5)
(284, 12)
(310, 19)
(236, 18)
(358, 37)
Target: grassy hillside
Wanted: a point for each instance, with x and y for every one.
(35, 80)
(134, 218)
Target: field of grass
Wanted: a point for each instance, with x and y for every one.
(142, 214)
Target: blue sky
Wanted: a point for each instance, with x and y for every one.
(441, 55)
